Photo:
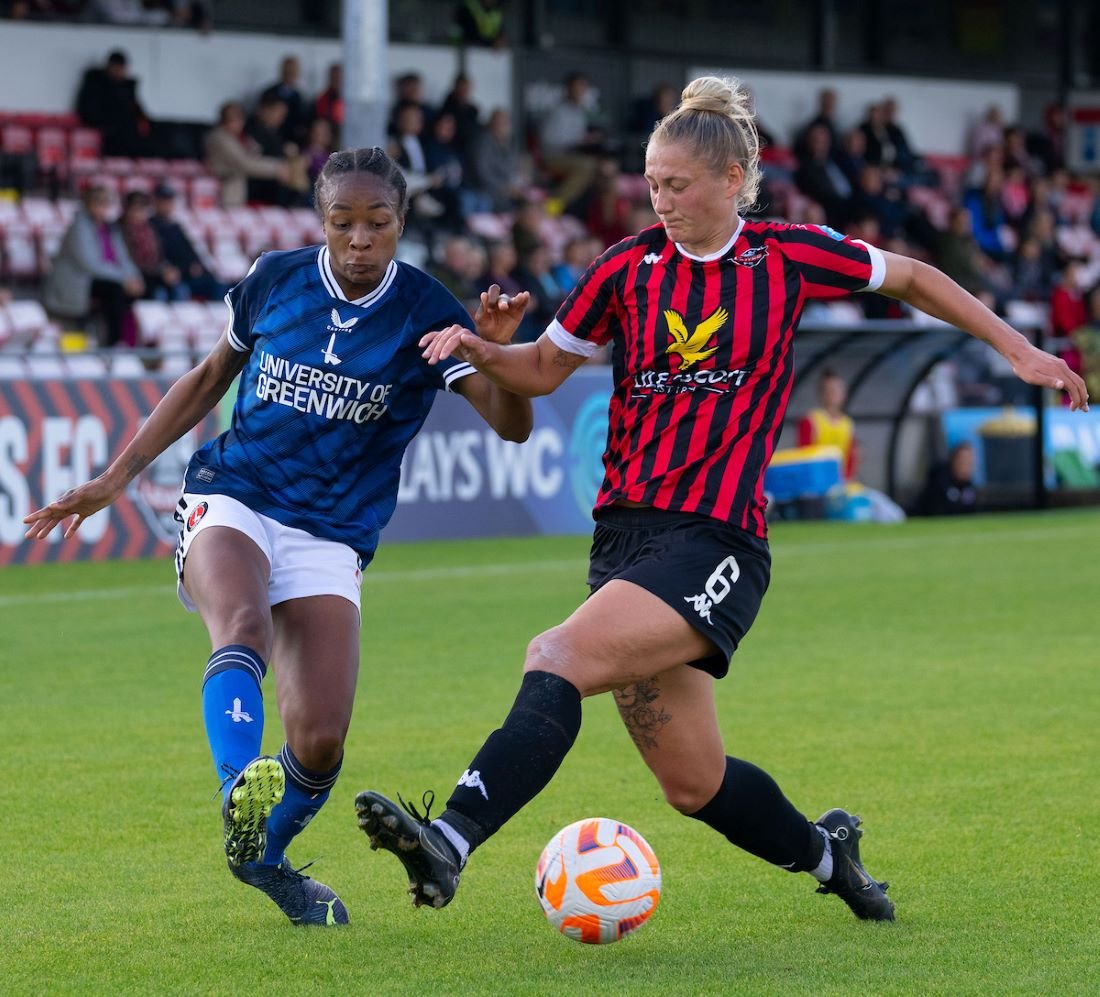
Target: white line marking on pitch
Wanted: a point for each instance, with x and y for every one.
(382, 575)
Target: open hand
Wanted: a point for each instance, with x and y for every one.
(499, 315)
(1047, 371)
(79, 503)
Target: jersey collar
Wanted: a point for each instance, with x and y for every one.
(718, 254)
(334, 289)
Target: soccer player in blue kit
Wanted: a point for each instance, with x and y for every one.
(281, 513)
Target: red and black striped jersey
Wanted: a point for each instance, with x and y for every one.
(701, 351)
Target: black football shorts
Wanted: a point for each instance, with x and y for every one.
(713, 574)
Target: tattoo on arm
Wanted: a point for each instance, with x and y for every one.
(563, 358)
(135, 464)
(642, 717)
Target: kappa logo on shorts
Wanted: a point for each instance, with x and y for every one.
(196, 514)
(718, 586)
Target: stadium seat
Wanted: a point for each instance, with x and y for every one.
(30, 325)
(85, 365)
(20, 252)
(16, 140)
(84, 147)
(205, 193)
(125, 364)
(151, 318)
(12, 367)
(51, 149)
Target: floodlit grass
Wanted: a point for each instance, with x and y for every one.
(941, 678)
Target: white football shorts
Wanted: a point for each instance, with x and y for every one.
(302, 565)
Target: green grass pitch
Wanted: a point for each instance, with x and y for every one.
(939, 677)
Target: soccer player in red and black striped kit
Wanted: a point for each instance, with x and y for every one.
(699, 312)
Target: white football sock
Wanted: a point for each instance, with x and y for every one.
(460, 844)
(824, 871)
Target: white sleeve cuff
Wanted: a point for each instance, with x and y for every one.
(456, 373)
(878, 265)
(563, 339)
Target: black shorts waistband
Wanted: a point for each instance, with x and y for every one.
(647, 518)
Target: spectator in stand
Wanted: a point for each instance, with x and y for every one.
(851, 157)
(959, 255)
(163, 280)
(330, 101)
(1068, 308)
(467, 117)
(498, 178)
(819, 177)
(988, 219)
(607, 213)
(905, 158)
(1087, 340)
(108, 101)
(883, 138)
(266, 130)
(882, 200)
(577, 256)
(535, 275)
(408, 151)
(1014, 155)
(409, 89)
(1048, 145)
(235, 158)
(286, 89)
(949, 489)
(986, 133)
(1032, 272)
(178, 249)
(826, 118)
(500, 267)
(648, 110)
(527, 227)
(829, 425)
(480, 22)
(320, 144)
(460, 269)
(92, 272)
(445, 167)
(570, 143)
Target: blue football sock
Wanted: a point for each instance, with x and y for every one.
(233, 708)
(305, 794)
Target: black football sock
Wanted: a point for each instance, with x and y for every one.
(518, 760)
(752, 812)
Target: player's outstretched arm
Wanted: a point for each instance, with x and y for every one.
(527, 369)
(936, 294)
(186, 402)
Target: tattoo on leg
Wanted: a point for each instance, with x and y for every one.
(642, 717)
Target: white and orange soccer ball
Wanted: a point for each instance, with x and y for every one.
(598, 880)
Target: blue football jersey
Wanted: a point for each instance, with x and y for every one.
(331, 395)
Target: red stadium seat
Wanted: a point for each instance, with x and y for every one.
(51, 148)
(205, 193)
(84, 147)
(16, 140)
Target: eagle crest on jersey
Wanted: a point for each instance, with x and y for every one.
(691, 347)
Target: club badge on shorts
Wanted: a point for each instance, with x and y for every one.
(196, 514)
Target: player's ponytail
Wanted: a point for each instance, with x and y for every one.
(715, 118)
(346, 161)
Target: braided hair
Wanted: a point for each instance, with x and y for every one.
(372, 160)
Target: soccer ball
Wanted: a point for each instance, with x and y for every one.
(598, 880)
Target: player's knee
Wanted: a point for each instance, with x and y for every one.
(248, 625)
(320, 748)
(686, 794)
(553, 652)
